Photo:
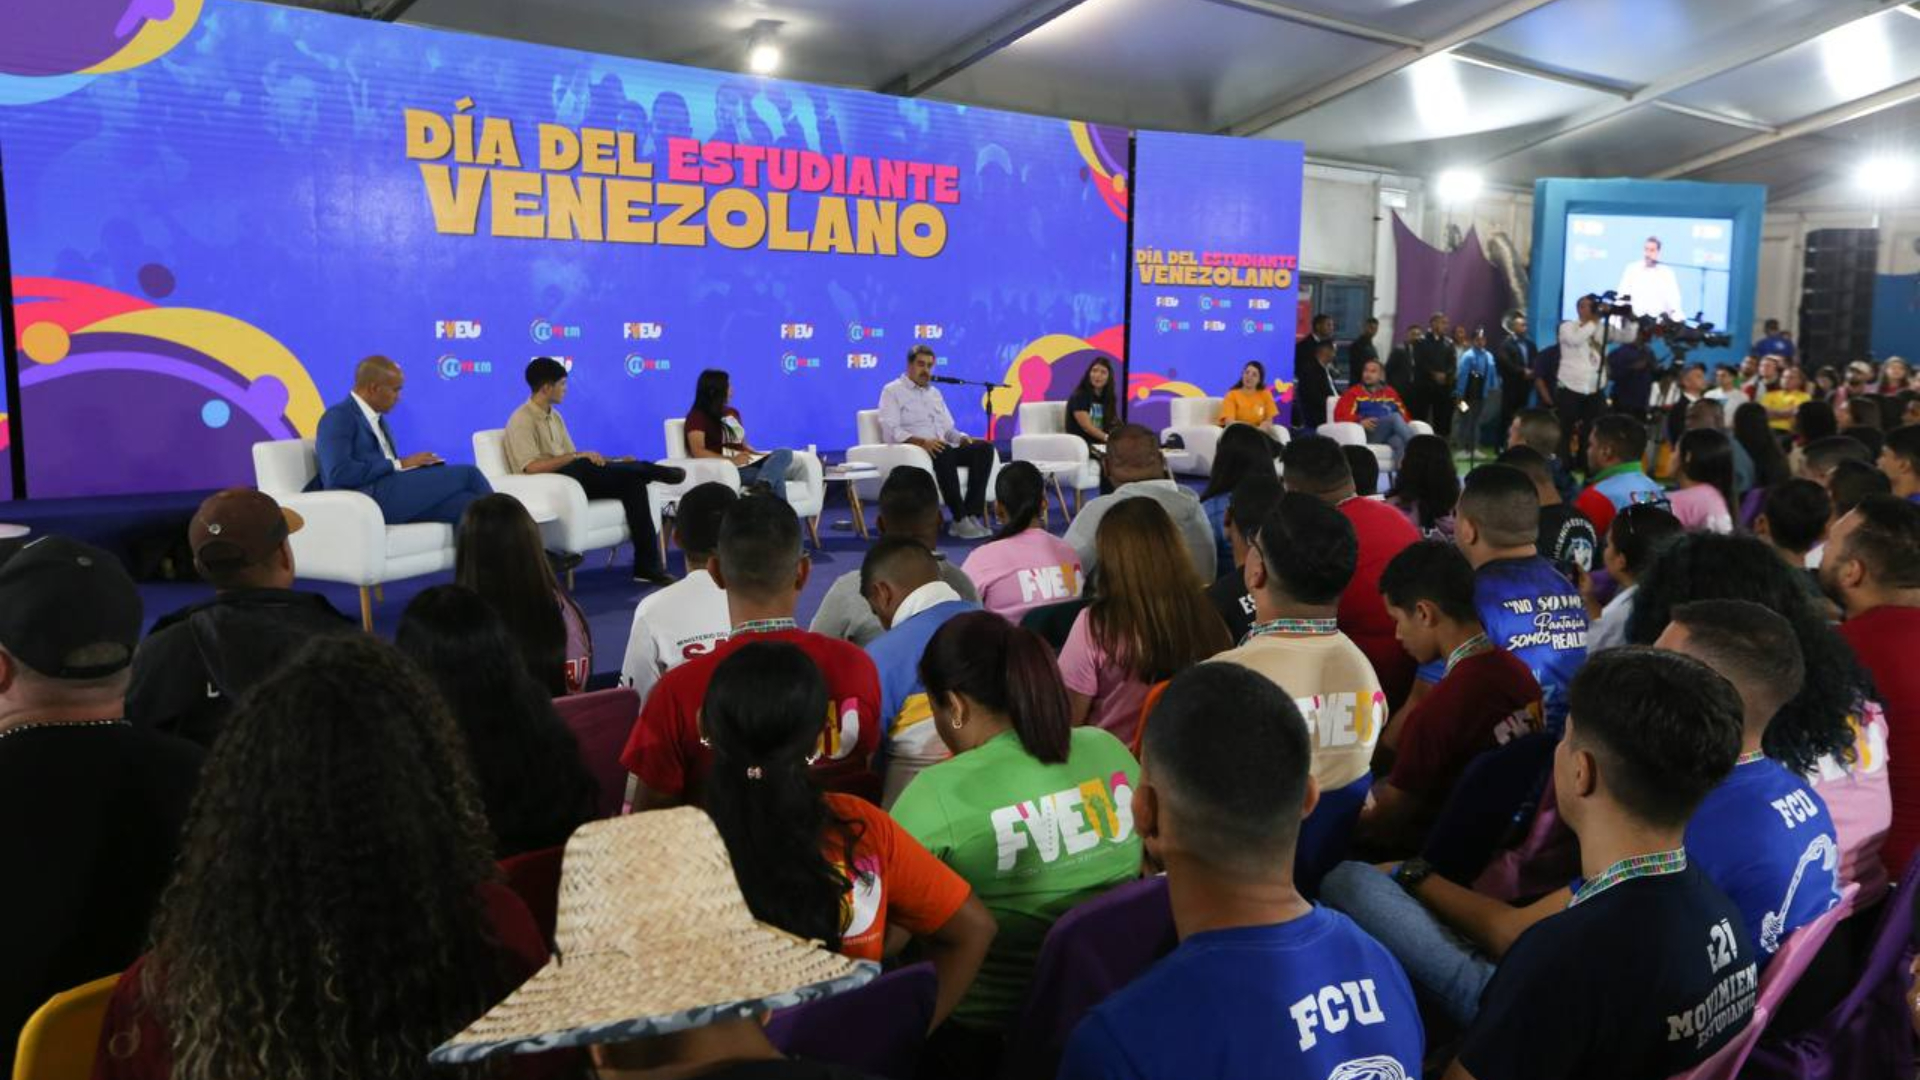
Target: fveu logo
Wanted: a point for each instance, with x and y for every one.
(861, 332)
(1214, 325)
(1257, 304)
(928, 332)
(456, 329)
(543, 330)
(1255, 326)
(638, 365)
(643, 331)
(796, 331)
(1166, 301)
(862, 361)
(791, 363)
(452, 367)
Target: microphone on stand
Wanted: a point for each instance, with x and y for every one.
(950, 380)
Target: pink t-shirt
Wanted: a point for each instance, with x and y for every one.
(1860, 801)
(1701, 509)
(1086, 669)
(1031, 570)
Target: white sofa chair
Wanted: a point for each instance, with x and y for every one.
(1348, 433)
(887, 457)
(569, 520)
(807, 496)
(1192, 418)
(1063, 457)
(347, 538)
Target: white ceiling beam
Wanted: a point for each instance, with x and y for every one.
(1289, 13)
(1807, 125)
(977, 46)
(1832, 16)
(1467, 54)
(1711, 116)
(1383, 67)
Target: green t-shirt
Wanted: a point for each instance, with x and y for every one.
(1033, 840)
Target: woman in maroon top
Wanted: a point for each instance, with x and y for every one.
(335, 911)
(714, 431)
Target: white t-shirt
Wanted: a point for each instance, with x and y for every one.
(1582, 359)
(674, 625)
(1653, 289)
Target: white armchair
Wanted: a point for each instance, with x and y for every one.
(1192, 418)
(887, 456)
(570, 521)
(1045, 441)
(347, 538)
(807, 496)
(1348, 433)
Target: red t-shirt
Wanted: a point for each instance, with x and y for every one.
(1487, 700)
(1383, 533)
(664, 749)
(1883, 639)
(899, 881)
(719, 440)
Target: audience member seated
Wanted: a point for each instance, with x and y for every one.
(355, 450)
(1315, 466)
(1365, 469)
(1025, 566)
(1139, 471)
(1712, 416)
(913, 411)
(1566, 538)
(336, 910)
(643, 879)
(1375, 406)
(196, 662)
(1263, 982)
(689, 617)
(1251, 502)
(1793, 519)
(1148, 621)
(1819, 458)
(825, 867)
(1034, 812)
(762, 569)
(1485, 697)
(1538, 429)
(499, 556)
(901, 583)
(1297, 565)
(526, 762)
(1250, 401)
(1592, 981)
(1615, 479)
(1900, 460)
(1750, 430)
(1427, 487)
(1242, 452)
(1637, 536)
(1872, 568)
(714, 430)
(909, 507)
(537, 442)
(1093, 409)
(1832, 732)
(93, 806)
(1849, 484)
(1705, 500)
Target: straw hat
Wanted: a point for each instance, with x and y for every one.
(653, 937)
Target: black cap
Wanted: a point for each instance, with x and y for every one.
(59, 596)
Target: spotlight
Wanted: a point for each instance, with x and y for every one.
(763, 54)
(1885, 175)
(1458, 186)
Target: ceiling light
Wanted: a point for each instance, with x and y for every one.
(1458, 186)
(764, 58)
(1885, 174)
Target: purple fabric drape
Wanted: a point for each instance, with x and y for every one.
(1461, 283)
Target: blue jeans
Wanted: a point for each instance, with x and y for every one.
(1440, 962)
(1392, 430)
(776, 467)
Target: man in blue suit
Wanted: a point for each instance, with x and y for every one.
(357, 453)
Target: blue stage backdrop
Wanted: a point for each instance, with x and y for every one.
(1216, 252)
(215, 212)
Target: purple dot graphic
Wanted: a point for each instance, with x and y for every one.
(156, 281)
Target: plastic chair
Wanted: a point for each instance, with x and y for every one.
(807, 497)
(572, 522)
(1192, 418)
(877, 1030)
(535, 877)
(1491, 804)
(1045, 441)
(1781, 973)
(887, 456)
(1092, 951)
(601, 722)
(1326, 834)
(61, 1037)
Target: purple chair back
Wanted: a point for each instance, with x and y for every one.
(1868, 1033)
(601, 722)
(876, 1030)
(1750, 505)
(1094, 950)
(1324, 835)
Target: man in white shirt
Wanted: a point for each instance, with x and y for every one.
(913, 412)
(689, 617)
(1139, 470)
(356, 452)
(1582, 375)
(1649, 287)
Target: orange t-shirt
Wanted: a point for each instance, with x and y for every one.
(899, 881)
(1243, 406)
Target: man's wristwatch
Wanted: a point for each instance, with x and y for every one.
(1408, 875)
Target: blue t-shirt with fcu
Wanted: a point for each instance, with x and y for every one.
(1531, 610)
(1313, 997)
(1767, 840)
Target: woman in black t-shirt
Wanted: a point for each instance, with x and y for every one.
(1092, 409)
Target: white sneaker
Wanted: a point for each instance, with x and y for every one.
(967, 529)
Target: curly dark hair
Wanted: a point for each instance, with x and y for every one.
(1706, 566)
(326, 918)
(535, 787)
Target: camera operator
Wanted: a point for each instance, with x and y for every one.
(1581, 379)
(1631, 366)
(1435, 364)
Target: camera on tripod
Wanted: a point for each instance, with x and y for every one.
(1610, 303)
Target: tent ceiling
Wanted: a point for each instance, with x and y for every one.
(1761, 91)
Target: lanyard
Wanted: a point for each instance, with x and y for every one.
(765, 626)
(1749, 758)
(1473, 646)
(1650, 865)
(1303, 627)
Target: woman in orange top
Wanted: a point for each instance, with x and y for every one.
(830, 867)
(1251, 402)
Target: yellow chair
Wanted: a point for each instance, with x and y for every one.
(60, 1038)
